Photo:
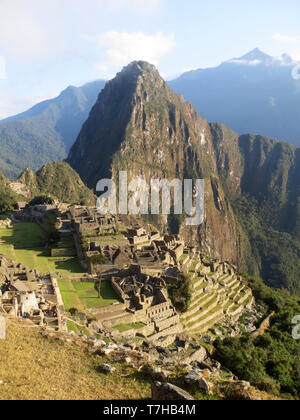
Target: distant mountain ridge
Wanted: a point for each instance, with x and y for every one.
(45, 132)
(255, 93)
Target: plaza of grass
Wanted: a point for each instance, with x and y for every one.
(25, 243)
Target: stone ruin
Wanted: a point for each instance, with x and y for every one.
(146, 298)
(24, 293)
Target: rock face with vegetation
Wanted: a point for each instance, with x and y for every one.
(251, 182)
(60, 181)
(57, 180)
(7, 196)
(46, 132)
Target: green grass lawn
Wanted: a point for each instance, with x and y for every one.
(88, 295)
(69, 295)
(28, 240)
(23, 235)
(65, 266)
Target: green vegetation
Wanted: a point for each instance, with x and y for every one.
(42, 200)
(270, 362)
(88, 295)
(98, 259)
(46, 132)
(23, 235)
(68, 294)
(130, 326)
(277, 253)
(7, 197)
(181, 293)
(24, 243)
(58, 180)
(72, 326)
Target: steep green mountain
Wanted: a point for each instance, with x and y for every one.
(59, 180)
(46, 132)
(254, 93)
(252, 183)
(8, 197)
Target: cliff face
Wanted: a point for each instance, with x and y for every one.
(138, 124)
(251, 182)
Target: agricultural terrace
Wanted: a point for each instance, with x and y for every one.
(85, 296)
(25, 243)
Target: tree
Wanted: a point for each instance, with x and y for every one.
(98, 284)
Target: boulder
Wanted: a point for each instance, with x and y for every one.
(198, 356)
(169, 392)
(107, 368)
(204, 386)
(193, 376)
(242, 385)
(163, 351)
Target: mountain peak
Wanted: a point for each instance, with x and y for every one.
(256, 54)
(137, 68)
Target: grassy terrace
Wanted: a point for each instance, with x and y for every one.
(202, 286)
(130, 326)
(77, 329)
(24, 243)
(183, 257)
(84, 295)
(69, 295)
(202, 318)
(197, 278)
(207, 305)
(88, 295)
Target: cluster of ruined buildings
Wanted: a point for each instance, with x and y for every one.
(24, 293)
(121, 242)
(136, 260)
(140, 264)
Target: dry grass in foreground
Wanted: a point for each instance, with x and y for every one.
(36, 368)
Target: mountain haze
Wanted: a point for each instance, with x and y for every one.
(255, 93)
(45, 132)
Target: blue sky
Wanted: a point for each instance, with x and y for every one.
(46, 45)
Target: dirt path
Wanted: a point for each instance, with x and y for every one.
(264, 326)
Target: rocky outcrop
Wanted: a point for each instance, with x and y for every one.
(59, 180)
(169, 392)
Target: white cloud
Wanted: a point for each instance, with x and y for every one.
(35, 28)
(286, 38)
(296, 55)
(27, 28)
(245, 62)
(122, 47)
